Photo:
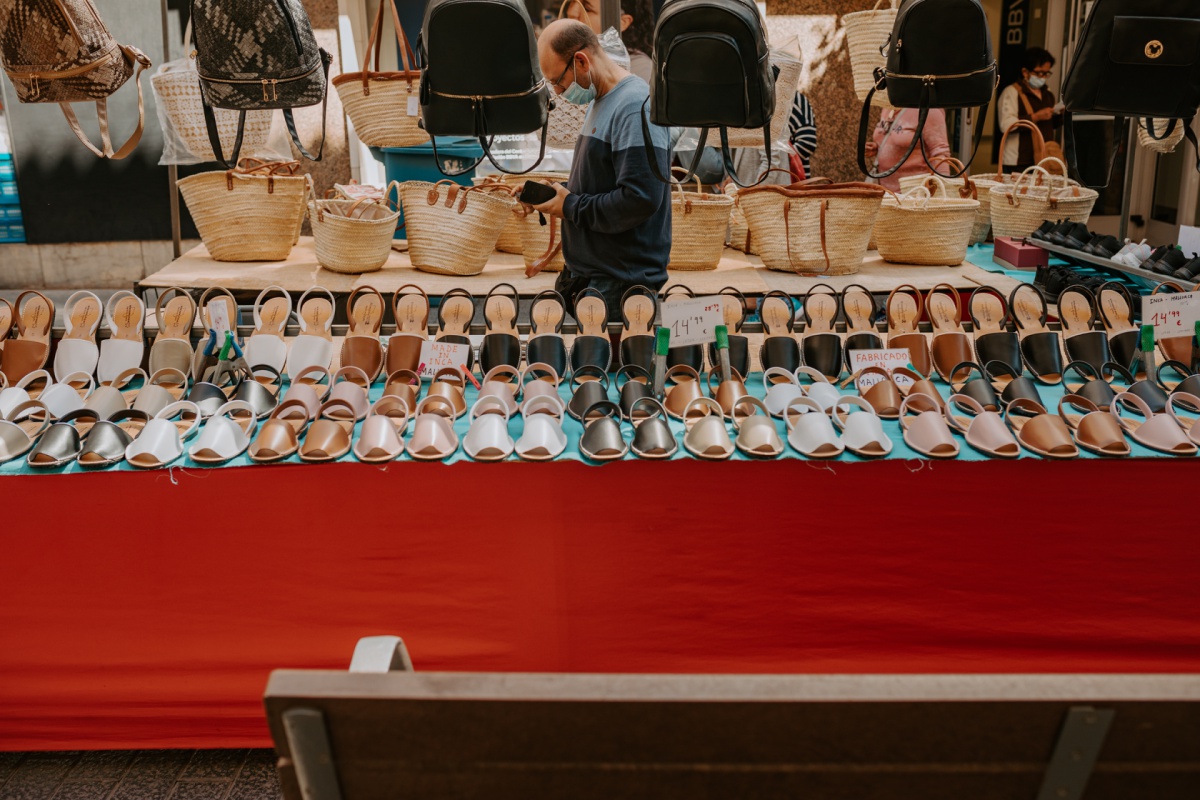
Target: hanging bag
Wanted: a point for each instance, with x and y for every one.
(1159, 135)
(866, 38)
(383, 106)
(258, 54)
(59, 51)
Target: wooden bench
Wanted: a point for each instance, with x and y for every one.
(382, 731)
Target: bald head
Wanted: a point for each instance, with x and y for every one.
(565, 37)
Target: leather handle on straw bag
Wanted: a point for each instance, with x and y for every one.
(787, 234)
(1039, 144)
(407, 57)
(552, 251)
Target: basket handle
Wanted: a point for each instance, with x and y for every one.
(787, 235)
(1039, 143)
(891, 4)
(407, 57)
(914, 192)
(552, 250)
(687, 204)
(1067, 182)
(1014, 198)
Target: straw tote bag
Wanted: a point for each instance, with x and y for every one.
(566, 119)
(699, 222)
(1038, 195)
(352, 236)
(739, 231)
(814, 227)
(453, 229)
(1165, 139)
(384, 106)
(250, 213)
(919, 228)
(866, 34)
(966, 187)
(511, 238)
(789, 68)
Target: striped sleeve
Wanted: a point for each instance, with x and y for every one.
(802, 128)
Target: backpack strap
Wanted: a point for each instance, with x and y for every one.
(1191, 137)
(133, 56)
(728, 160)
(326, 60)
(695, 165)
(864, 126)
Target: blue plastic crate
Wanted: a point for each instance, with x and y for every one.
(11, 233)
(10, 215)
(8, 192)
(417, 163)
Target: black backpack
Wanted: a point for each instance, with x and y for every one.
(712, 69)
(480, 75)
(939, 56)
(257, 54)
(1136, 58)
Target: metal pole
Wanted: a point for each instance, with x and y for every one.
(610, 14)
(172, 170)
(1127, 187)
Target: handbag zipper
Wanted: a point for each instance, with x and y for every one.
(536, 87)
(287, 16)
(270, 86)
(104, 58)
(982, 71)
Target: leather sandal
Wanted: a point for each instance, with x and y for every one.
(266, 346)
(103, 403)
(861, 311)
(974, 381)
(62, 442)
(1153, 395)
(993, 340)
(590, 385)
(29, 387)
(592, 347)
(913, 382)
(1039, 431)
(1094, 430)
(1191, 403)
(682, 387)
(260, 395)
(602, 439)
(299, 407)
(1188, 379)
(904, 309)
(539, 380)
(504, 383)
(780, 387)
(983, 430)
(924, 427)
(1115, 304)
(21, 429)
(362, 348)
(818, 389)
(381, 438)
(1081, 378)
(487, 438)
(652, 436)
(433, 436)
(225, 435)
(350, 385)
(208, 397)
(635, 386)
(546, 344)
(6, 325)
(172, 346)
(77, 352)
(639, 309)
(1077, 310)
(314, 346)
(329, 436)
(951, 344)
(172, 381)
(404, 384)
(449, 384)
(877, 386)
(1011, 385)
(1160, 432)
(810, 430)
(1041, 349)
(756, 434)
(692, 354)
(734, 310)
(542, 438)
(279, 436)
(707, 437)
(820, 345)
(69, 395)
(861, 429)
(779, 347)
(410, 308)
(108, 440)
(161, 442)
(727, 393)
(501, 344)
(31, 349)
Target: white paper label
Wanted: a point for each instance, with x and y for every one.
(413, 107)
(1171, 314)
(888, 359)
(218, 319)
(439, 355)
(692, 320)
(1189, 240)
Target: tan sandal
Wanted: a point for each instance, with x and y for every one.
(361, 348)
(31, 349)
(172, 347)
(951, 344)
(903, 310)
(410, 307)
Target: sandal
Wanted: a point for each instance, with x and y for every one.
(546, 344)
(602, 439)
(682, 388)
(861, 311)
(361, 348)
(1094, 430)
(821, 345)
(1189, 425)
(1040, 347)
(1116, 312)
(17, 439)
(543, 438)
(590, 387)
(261, 395)
(777, 394)
(810, 430)
(216, 306)
(381, 438)
(487, 438)
(707, 437)
(820, 390)
(993, 340)
(503, 383)
(328, 438)
(727, 393)
(652, 436)
(692, 354)
(155, 396)
(404, 384)
(1153, 395)
(108, 440)
(1077, 310)
(63, 441)
(1010, 384)
(350, 385)
(279, 436)
(314, 346)
(779, 347)
(639, 309)
(161, 442)
(410, 308)
(77, 351)
(70, 395)
(1039, 431)
(1093, 385)
(879, 388)
(208, 397)
(951, 344)
(266, 346)
(31, 349)
(544, 383)
(756, 434)
(1161, 432)
(734, 310)
(1188, 383)
(979, 388)
(454, 315)
(225, 435)
(501, 344)
(913, 382)
(635, 387)
(592, 346)
(861, 430)
(903, 309)
(983, 430)
(172, 346)
(6, 324)
(926, 432)
(450, 385)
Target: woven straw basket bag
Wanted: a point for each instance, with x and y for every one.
(966, 187)
(866, 34)
(699, 222)
(919, 228)
(510, 238)
(739, 231)
(452, 229)
(383, 106)
(1020, 209)
(790, 68)
(177, 88)
(1161, 141)
(813, 228)
(251, 213)
(352, 236)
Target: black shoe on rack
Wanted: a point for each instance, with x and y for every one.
(1040, 233)
(1057, 279)
(1158, 253)
(1104, 246)
(1173, 260)
(1189, 271)
(1078, 236)
(1055, 236)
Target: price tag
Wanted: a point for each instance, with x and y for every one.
(414, 106)
(218, 319)
(888, 359)
(692, 320)
(437, 356)
(1171, 314)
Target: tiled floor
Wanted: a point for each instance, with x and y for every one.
(140, 775)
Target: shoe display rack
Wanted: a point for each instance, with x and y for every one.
(1142, 276)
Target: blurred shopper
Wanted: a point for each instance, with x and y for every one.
(895, 133)
(637, 30)
(1030, 99)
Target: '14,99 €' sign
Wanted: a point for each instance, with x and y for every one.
(693, 320)
(1171, 314)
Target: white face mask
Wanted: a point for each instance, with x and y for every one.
(1036, 82)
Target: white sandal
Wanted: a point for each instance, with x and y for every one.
(123, 350)
(314, 346)
(266, 347)
(161, 442)
(226, 435)
(810, 431)
(77, 351)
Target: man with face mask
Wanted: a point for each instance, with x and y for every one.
(1029, 99)
(616, 228)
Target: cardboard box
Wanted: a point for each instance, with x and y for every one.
(1015, 254)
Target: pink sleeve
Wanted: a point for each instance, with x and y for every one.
(934, 136)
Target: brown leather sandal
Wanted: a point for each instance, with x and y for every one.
(903, 310)
(361, 348)
(31, 349)
(983, 430)
(1094, 430)
(1039, 431)
(410, 307)
(951, 344)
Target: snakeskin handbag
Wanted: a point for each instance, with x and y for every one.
(59, 51)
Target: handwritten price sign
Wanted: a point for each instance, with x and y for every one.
(439, 355)
(1171, 314)
(693, 320)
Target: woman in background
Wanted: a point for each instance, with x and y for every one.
(895, 133)
(637, 30)
(1028, 98)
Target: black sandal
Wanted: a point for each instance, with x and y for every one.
(501, 345)
(1040, 347)
(734, 318)
(1189, 382)
(1011, 384)
(1077, 310)
(691, 355)
(993, 340)
(978, 388)
(637, 335)
(1116, 312)
(592, 347)
(546, 344)
(1095, 387)
(779, 347)
(821, 347)
(861, 330)
(459, 305)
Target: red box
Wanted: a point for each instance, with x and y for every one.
(1015, 254)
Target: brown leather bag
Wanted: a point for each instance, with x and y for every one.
(59, 51)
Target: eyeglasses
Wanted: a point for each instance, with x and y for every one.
(557, 82)
(1043, 73)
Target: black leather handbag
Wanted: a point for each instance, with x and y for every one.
(712, 69)
(939, 56)
(1136, 58)
(258, 54)
(480, 75)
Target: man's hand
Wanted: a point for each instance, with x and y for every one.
(554, 207)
